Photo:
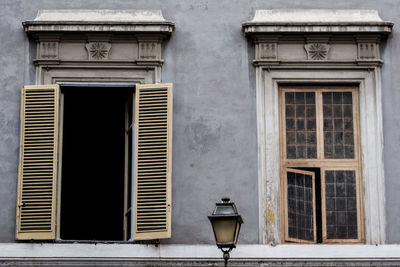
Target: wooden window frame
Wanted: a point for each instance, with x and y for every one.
(129, 127)
(319, 162)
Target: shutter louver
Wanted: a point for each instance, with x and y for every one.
(38, 163)
(153, 143)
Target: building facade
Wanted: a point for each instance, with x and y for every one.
(134, 119)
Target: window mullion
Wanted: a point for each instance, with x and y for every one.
(320, 125)
(356, 126)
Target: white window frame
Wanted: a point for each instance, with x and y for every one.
(369, 82)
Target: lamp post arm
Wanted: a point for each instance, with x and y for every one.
(226, 255)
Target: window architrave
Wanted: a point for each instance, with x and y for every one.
(269, 80)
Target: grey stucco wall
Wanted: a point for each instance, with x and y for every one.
(215, 130)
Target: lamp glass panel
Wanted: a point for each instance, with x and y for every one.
(237, 231)
(224, 210)
(224, 230)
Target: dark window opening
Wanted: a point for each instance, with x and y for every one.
(93, 156)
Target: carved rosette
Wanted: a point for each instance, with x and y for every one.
(98, 50)
(317, 51)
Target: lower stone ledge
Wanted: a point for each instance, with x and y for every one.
(123, 254)
(193, 262)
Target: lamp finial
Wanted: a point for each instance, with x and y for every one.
(225, 199)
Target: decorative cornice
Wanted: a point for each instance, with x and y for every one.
(99, 21)
(317, 21)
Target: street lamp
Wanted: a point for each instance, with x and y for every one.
(226, 222)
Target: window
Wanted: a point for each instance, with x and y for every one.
(93, 148)
(320, 164)
(95, 163)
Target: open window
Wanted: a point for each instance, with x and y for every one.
(320, 164)
(300, 206)
(95, 162)
(95, 154)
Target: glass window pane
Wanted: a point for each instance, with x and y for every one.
(341, 204)
(338, 125)
(300, 118)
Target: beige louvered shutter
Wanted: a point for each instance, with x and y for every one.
(153, 150)
(38, 163)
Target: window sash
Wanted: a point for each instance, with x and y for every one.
(286, 196)
(359, 210)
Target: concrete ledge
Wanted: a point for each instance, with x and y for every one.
(193, 262)
(43, 251)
